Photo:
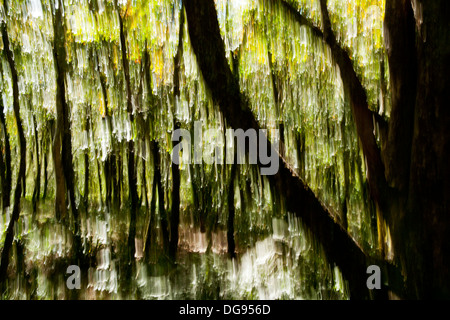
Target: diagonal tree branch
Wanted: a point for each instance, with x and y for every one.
(209, 49)
(363, 116)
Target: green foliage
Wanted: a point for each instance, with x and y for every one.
(292, 84)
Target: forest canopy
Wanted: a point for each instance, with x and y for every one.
(353, 94)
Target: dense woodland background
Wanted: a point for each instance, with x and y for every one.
(91, 92)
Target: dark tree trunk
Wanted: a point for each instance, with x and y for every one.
(46, 144)
(151, 235)
(175, 214)
(418, 43)
(399, 26)
(346, 160)
(107, 168)
(86, 180)
(99, 178)
(144, 183)
(60, 192)
(119, 178)
(110, 162)
(44, 193)
(2, 169)
(63, 140)
(151, 229)
(231, 214)
(37, 187)
(87, 125)
(132, 176)
(9, 237)
(24, 179)
(6, 172)
(161, 208)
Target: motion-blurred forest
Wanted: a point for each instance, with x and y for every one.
(92, 91)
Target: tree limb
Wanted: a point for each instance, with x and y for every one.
(363, 116)
(209, 49)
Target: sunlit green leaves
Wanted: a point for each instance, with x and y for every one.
(292, 84)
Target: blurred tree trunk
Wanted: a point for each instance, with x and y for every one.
(9, 237)
(161, 207)
(110, 162)
(231, 213)
(132, 175)
(59, 56)
(46, 145)
(157, 187)
(6, 170)
(88, 129)
(151, 229)
(2, 170)
(37, 186)
(175, 214)
(62, 147)
(418, 151)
